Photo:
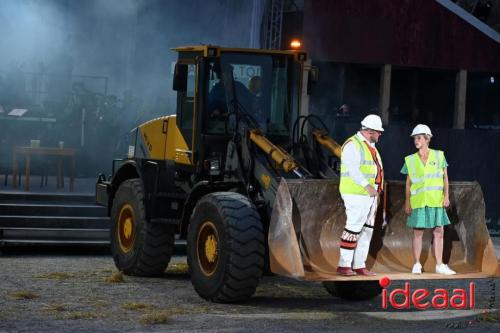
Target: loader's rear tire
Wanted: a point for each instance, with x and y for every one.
(138, 247)
(225, 247)
(353, 290)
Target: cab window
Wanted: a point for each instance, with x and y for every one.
(187, 99)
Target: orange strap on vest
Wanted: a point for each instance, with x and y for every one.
(380, 172)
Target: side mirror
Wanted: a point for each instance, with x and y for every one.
(312, 79)
(180, 77)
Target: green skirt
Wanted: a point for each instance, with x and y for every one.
(428, 217)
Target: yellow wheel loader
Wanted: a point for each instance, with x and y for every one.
(228, 174)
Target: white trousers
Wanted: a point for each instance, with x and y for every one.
(358, 231)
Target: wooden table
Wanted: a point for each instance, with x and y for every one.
(43, 151)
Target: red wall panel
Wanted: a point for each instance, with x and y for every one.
(418, 33)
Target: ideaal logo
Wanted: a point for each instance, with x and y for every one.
(423, 298)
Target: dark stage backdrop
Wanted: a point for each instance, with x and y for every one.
(419, 33)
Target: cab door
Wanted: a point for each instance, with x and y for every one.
(186, 71)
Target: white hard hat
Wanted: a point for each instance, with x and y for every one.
(421, 129)
(372, 121)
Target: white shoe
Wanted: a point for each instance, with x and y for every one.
(444, 269)
(417, 268)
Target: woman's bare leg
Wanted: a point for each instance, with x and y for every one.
(438, 244)
(417, 243)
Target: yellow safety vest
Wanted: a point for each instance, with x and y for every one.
(367, 167)
(427, 183)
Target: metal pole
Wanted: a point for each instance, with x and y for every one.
(82, 137)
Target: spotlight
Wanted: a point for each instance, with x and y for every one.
(295, 44)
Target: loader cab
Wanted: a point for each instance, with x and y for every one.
(185, 82)
(221, 89)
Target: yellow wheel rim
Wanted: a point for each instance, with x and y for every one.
(126, 228)
(207, 245)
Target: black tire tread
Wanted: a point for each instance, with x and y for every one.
(246, 247)
(156, 240)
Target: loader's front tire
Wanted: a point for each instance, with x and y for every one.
(353, 290)
(225, 247)
(138, 247)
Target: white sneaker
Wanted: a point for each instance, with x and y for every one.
(417, 268)
(444, 269)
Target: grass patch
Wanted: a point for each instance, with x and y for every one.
(24, 294)
(55, 307)
(136, 306)
(98, 304)
(492, 317)
(56, 276)
(84, 275)
(77, 315)
(177, 268)
(163, 316)
(116, 277)
(155, 318)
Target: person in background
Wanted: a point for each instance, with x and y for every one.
(427, 197)
(217, 103)
(343, 111)
(342, 116)
(255, 85)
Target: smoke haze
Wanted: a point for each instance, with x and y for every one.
(59, 57)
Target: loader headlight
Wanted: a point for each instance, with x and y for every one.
(214, 165)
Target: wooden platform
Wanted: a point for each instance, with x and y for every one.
(398, 276)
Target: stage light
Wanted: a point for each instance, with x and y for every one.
(295, 44)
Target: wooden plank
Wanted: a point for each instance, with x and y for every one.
(398, 276)
(385, 93)
(460, 97)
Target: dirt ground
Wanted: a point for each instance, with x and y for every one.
(60, 290)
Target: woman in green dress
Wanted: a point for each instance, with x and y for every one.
(427, 196)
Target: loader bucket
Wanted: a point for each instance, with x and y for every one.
(308, 218)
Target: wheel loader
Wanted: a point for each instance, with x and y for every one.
(243, 174)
